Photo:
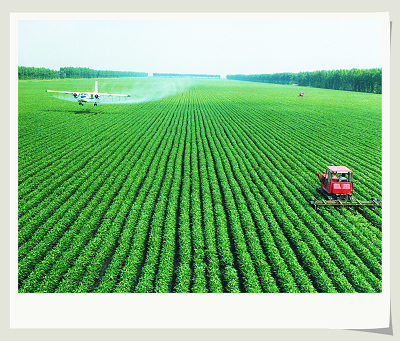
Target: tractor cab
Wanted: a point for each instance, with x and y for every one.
(337, 181)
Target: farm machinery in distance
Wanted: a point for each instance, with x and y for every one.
(337, 187)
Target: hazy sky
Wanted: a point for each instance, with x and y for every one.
(201, 46)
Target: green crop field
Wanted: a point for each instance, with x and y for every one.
(202, 186)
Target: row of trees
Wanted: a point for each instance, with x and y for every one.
(276, 78)
(25, 72)
(362, 80)
(190, 75)
(36, 73)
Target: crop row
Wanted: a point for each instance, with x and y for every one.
(204, 191)
(368, 256)
(89, 209)
(305, 149)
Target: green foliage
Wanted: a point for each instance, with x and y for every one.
(36, 73)
(201, 191)
(361, 80)
(25, 73)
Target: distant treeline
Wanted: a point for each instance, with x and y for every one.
(191, 75)
(25, 72)
(361, 80)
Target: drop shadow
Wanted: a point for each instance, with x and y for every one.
(383, 331)
(88, 111)
(80, 112)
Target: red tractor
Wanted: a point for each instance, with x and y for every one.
(337, 187)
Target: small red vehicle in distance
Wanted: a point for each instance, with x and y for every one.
(337, 181)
